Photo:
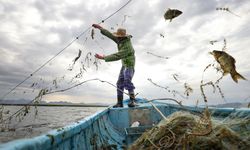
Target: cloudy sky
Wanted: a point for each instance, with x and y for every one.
(33, 31)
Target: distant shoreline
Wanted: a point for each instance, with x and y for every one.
(59, 105)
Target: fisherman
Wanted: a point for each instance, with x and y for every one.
(126, 54)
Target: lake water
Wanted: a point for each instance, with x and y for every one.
(48, 118)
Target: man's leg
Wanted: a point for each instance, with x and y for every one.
(120, 88)
(128, 76)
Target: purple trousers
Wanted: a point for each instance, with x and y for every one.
(125, 81)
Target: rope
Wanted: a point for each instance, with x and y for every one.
(81, 34)
(116, 11)
(152, 143)
(96, 79)
(162, 115)
(165, 140)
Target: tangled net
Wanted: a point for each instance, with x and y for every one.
(183, 130)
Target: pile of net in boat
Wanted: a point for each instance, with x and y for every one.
(183, 130)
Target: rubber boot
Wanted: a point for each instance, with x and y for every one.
(119, 102)
(132, 100)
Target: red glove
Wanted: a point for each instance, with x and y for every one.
(99, 56)
(96, 26)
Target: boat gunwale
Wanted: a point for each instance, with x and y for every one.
(55, 136)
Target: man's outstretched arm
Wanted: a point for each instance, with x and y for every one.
(105, 32)
(113, 57)
(117, 56)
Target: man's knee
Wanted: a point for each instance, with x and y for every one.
(119, 83)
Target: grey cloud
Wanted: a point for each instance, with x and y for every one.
(48, 9)
(8, 7)
(142, 25)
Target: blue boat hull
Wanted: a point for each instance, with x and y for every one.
(111, 128)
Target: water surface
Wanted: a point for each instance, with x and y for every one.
(48, 118)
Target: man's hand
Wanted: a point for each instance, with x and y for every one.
(96, 26)
(99, 56)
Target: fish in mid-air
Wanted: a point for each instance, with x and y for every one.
(171, 14)
(227, 64)
(92, 34)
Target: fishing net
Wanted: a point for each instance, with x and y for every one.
(183, 130)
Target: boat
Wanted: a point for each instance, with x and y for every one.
(113, 128)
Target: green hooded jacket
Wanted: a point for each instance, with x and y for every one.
(125, 50)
